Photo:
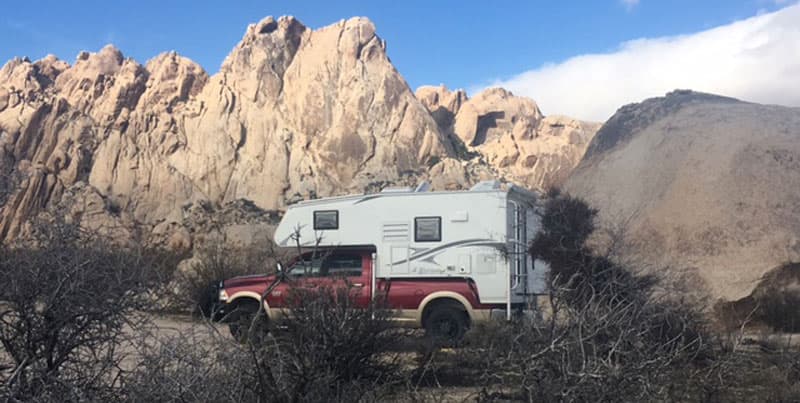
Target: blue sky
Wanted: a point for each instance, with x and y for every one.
(462, 44)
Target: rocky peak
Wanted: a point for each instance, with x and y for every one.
(48, 68)
(493, 112)
(442, 103)
(509, 133)
(435, 97)
(27, 80)
(339, 110)
(104, 85)
(358, 39)
(173, 79)
(262, 57)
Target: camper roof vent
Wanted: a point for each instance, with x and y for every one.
(397, 190)
(483, 186)
(423, 186)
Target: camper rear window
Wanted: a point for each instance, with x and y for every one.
(326, 219)
(427, 229)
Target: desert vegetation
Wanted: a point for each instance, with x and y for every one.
(67, 303)
(215, 261)
(76, 325)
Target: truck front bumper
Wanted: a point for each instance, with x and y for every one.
(213, 305)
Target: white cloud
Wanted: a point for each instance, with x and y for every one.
(756, 59)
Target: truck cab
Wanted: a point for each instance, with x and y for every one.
(444, 307)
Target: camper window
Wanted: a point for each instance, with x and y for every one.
(427, 229)
(326, 219)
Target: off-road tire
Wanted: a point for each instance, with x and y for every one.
(446, 324)
(242, 325)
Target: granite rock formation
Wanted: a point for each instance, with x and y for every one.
(510, 133)
(293, 113)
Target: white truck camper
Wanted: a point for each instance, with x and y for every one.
(481, 234)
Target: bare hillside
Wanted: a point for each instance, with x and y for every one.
(705, 182)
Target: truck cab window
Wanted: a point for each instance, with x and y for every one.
(345, 265)
(308, 266)
(333, 265)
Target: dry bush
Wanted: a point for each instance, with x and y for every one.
(755, 370)
(608, 338)
(215, 261)
(329, 347)
(602, 351)
(326, 350)
(196, 365)
(66, 300)
(328, 332)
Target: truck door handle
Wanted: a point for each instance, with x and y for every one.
(359, 285)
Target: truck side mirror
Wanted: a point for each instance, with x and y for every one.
(279, 267)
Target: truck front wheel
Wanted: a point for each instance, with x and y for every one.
(247, 323)
(446, 323)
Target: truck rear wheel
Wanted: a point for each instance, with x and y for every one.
(446, 323)
(247, 323)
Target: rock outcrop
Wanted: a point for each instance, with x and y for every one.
(704, 183)
(292, 114)
(511, 133)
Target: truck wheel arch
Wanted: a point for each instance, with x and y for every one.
(444, 297)
(247, 296)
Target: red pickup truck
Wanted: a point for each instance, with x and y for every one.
(444, 307)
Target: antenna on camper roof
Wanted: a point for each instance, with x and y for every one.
(423, 186)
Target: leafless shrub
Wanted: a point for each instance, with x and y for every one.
(329, 345)
(217, 261)
(755, 370)
(196, 365)
(608, 337)
(66, 300)
(603, 351)
(326, 349)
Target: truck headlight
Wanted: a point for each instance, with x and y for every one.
(223, 296)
